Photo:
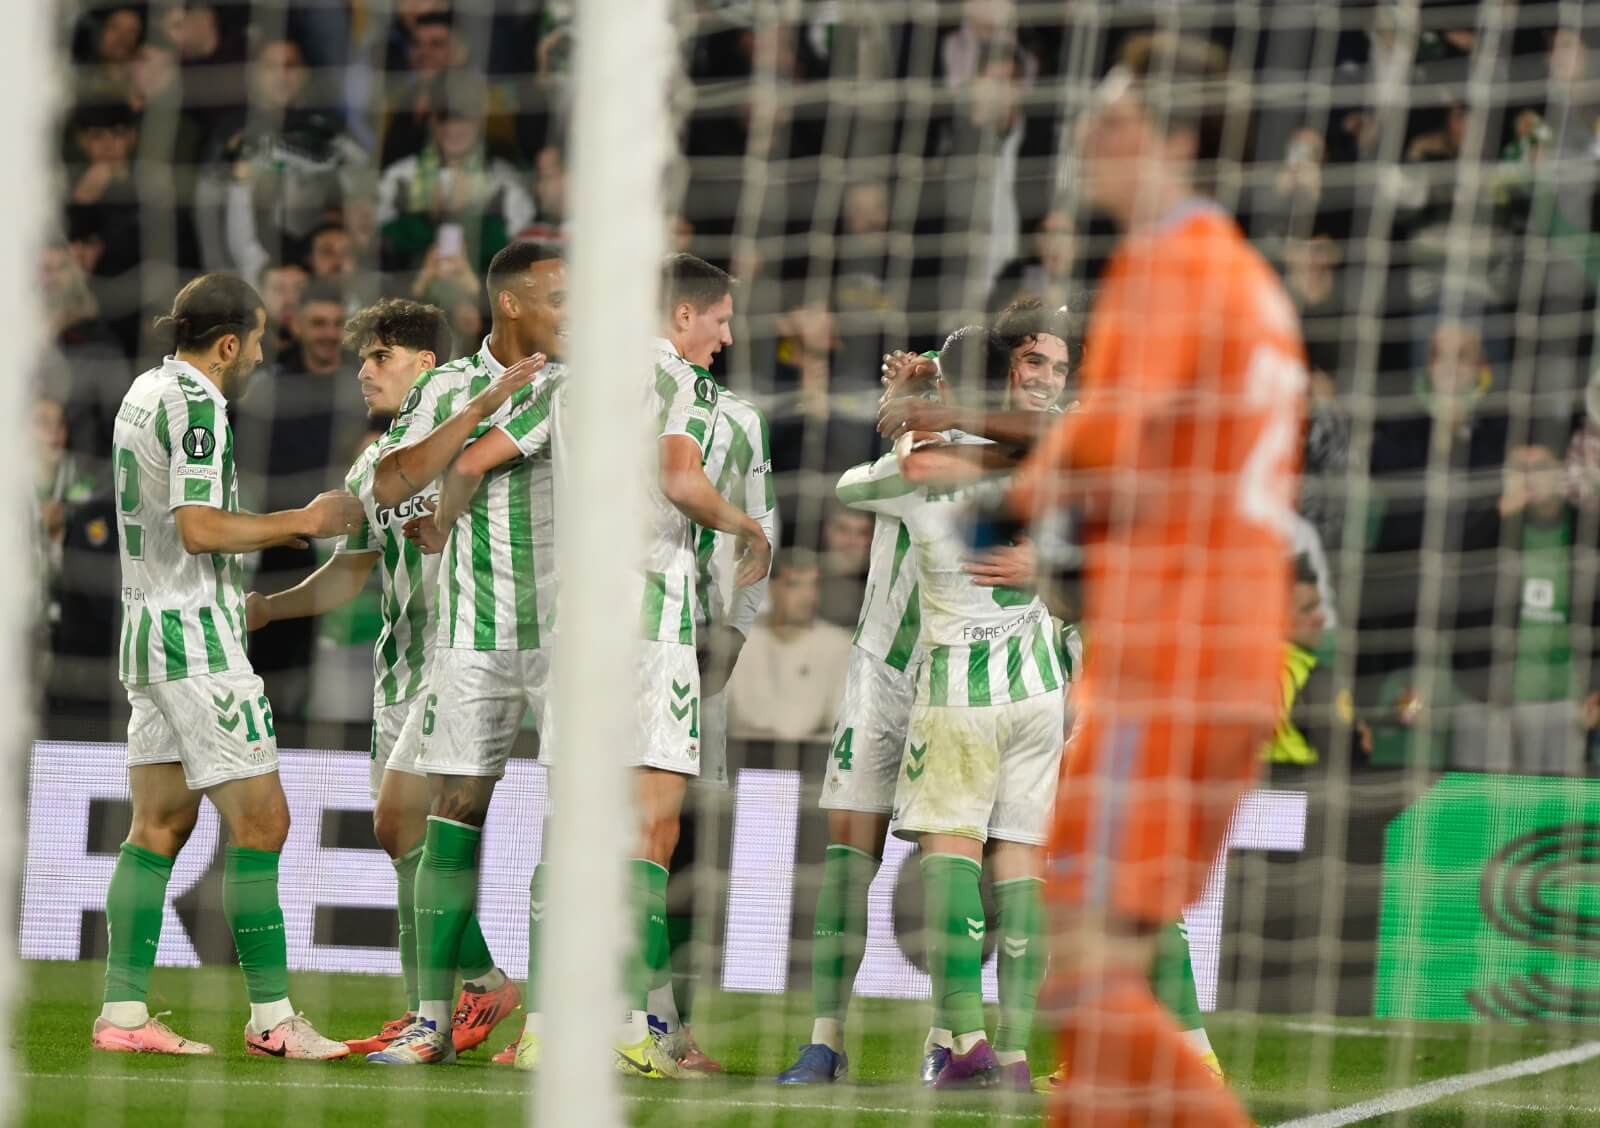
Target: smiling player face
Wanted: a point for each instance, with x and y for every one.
(541, 297)
(1039, 369)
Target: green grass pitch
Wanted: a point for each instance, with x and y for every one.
(1278, 1067)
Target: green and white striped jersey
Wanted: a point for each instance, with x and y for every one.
(410, 585)
(891, 614)
(682, 400)
(497, 575)
(182, 615)
(739, 464)
(1069, 646)
(982, 646)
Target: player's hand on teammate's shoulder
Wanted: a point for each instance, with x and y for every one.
(752, 556)
(335, 513)
(510, 382)
(1010, 566)
(256, 614)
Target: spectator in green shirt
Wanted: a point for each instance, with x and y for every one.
(1527, 624)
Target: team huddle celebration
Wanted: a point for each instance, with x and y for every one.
(784, 562)
(960, 681)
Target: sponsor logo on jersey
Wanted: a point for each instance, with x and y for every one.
(203, 473)
(411, 507)
(762, 467)
(982, 634)
(198, 442)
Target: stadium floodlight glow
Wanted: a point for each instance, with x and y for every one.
(619, 137)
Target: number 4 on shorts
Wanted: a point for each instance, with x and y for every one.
(841, 749)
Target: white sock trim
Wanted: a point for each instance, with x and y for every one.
(436, 1011)
(966, 1043)
(491, 980)
(828, 1032)
(264, 1016)
(129, 1014)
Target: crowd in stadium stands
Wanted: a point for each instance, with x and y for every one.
(1436, 234)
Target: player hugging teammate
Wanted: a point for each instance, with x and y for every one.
(954, 654)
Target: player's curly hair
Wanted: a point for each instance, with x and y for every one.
(401, 323)
(209, 308)
(1026, 318)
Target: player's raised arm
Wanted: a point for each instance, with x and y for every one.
(405, 468)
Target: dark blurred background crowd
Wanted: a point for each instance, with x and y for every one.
(876, 175)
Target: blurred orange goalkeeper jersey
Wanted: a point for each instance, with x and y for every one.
(1182, 460)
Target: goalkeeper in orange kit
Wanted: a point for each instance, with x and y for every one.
(1180, 462)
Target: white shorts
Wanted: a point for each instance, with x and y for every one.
(667, 709)
(218, 726)
(470, 713)
(714, 740)
(864, 757)
(396, 739)
(985, 771)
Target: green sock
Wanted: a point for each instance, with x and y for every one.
(680, 957)
(1172, 977)
(250, 902)
(1022, 959)
(447, 893)
(475, 960)
(649, 965)
(955, 925)
(530, 997)
(839, 937)
(405, 880)
(134, 904)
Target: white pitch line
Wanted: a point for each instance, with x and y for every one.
(776, 1105)
(1508, 1106)
(1350, 1031)
(1418, 1095)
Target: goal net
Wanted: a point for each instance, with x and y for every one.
(1400, 920)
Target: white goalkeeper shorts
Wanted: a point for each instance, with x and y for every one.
(218, 726)
(981, 771)
(667, 713)
(864, 756)
(397, 739)
(470, 713)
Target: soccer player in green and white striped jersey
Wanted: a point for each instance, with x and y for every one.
(739, 463)
(201, 723)
(495, 606)
(698, 304)
(397, 340)
(983, 749)
(869, 737)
